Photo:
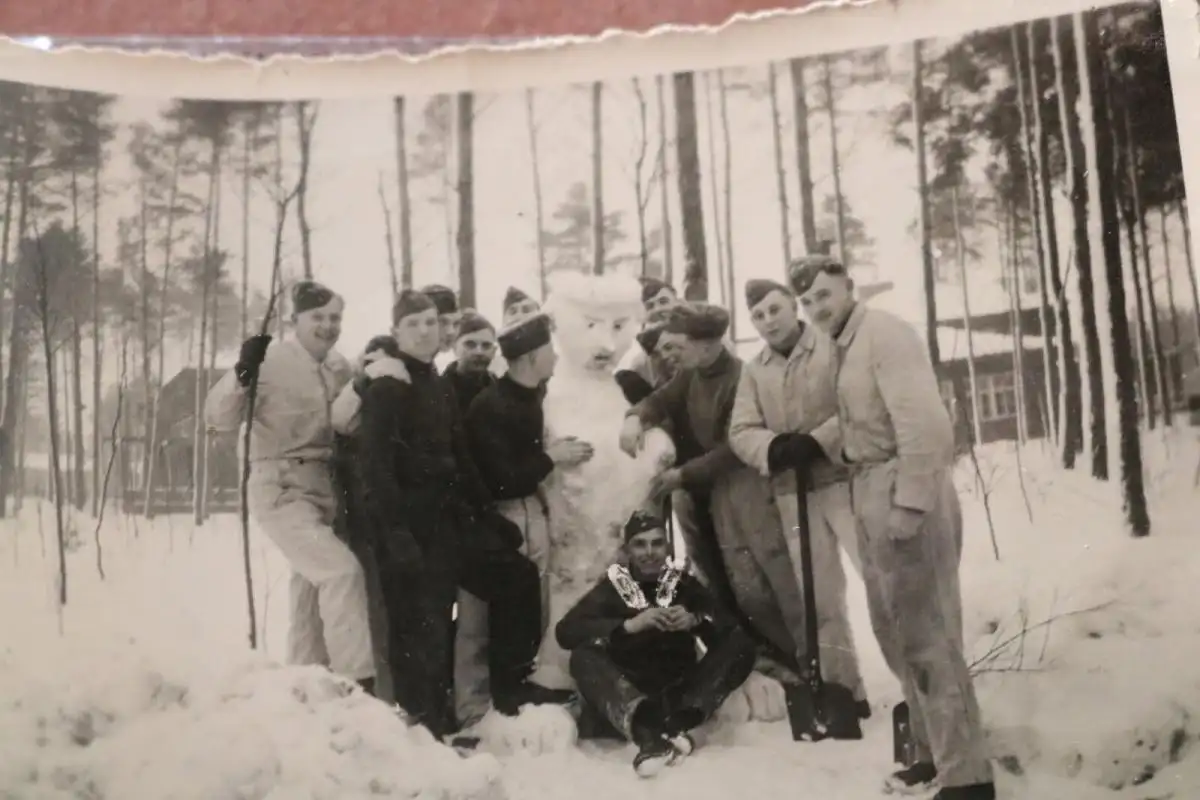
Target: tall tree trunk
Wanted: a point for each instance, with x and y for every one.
(1098, 150)
(306, 119)
(539, 212)
(1076, 170)
(215, 333)
(1158, 358)
(405, 209)
(248, 135)
(641, 191)
(695, 272)
(727, 141)
(79, 474)
(780, 169)
(808, 220)
(1172, 306)
(56, 481)
(1030, 133)
(960, 256)
(466, 199)
(168, 249)
(144, 324)
(718, 231)
(1182, 209)
(1015, 269)
(931, 320)
(1069, 405)
(597, 179)
(97, 332)
(839, 202)
(18, 350)
(198, 429)
(388, 240)
(664, 200)
(10, 197)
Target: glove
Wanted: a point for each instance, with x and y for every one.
(792, 451)
(250, 358)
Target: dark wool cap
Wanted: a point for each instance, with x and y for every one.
(514, 296)
(410, 302)
(443, 298)
(640, 522)
(473, 322)
(652, 286)
(307, 295)
(524, 336)
(698, 321)
(804, 270)
(384, 343)
(759, 288)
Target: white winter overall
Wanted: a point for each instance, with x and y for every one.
(292, 500)
(898, 439)
(779, 394)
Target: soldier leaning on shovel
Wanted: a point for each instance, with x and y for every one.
(897, 439)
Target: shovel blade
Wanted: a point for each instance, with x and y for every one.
(902, 742)
(828, 713)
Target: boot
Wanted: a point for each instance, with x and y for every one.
(509, 702)
(863, 708)
(368, 686)
(654, 749)
(912, 780)
(976, 791)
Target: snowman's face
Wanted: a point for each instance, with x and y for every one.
(595, 337)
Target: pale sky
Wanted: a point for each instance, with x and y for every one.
(354, 145)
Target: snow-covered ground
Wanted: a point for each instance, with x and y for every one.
(144, 686)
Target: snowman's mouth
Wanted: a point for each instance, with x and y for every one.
(601, 360)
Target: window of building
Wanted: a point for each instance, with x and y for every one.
(997, 396)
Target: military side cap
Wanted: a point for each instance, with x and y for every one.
(698, 321)
(443, 298)
(473, 322)
(524, 335)
(410, 302)
(641, 521)
(307, 295)
(805, 269)
(758, 288)
(652, 286)
(514, 296)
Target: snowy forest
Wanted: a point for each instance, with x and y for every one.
(143, 240)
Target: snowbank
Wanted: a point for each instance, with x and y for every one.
(122, 728)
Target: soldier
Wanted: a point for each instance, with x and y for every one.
(291, 491)
(898, 440)
(643, 368)
(737, 543)
(474, 349)
(505, 427)
(632, 639)
(658, 294)
(786, 405)
(421, 496)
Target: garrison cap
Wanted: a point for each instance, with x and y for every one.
(410, 302)
(473, 322)
(652, 286)
(524, 335)
(641, 521)
(443, 298)
(307, 295)
(805, 269)
(514, 296)
(759, 288)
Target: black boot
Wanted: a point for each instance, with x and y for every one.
(912, 780)
(654, 749)
(509, 701)
(976, 791)
(863, 708)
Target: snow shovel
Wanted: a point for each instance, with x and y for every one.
(817, 709)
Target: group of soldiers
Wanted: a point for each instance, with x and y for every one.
(434, 476)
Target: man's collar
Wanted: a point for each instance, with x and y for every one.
(853, 323)
(805, 344)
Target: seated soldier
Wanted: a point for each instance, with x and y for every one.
(632, 639)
